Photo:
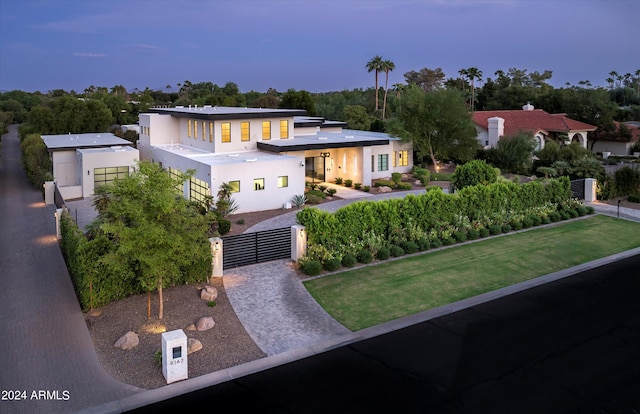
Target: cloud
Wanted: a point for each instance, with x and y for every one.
(90, 55)
(144, 49)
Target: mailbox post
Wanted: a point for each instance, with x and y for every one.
(174, 356)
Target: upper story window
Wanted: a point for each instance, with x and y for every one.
(226, 131)
(204, 129)
(245, 132)
(284, 129)
(190, 129)
(210, 131)
(266, 129)
(195, 129)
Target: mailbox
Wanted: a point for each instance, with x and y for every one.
(174, 356)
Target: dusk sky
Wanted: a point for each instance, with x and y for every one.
(310, 45)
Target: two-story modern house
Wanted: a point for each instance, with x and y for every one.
(266, 155)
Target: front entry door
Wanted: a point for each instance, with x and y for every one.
(314, 168)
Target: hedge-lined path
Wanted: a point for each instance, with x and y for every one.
(45, 341)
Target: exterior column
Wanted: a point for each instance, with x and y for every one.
(216, 256)
(590, 190)
(298, 242)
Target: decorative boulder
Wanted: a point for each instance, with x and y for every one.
(209, 293)
(384, 189)
(127, 341)
(205, 323)
(193, 345)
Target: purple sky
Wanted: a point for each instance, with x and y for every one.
(305, 44)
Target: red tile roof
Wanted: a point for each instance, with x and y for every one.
(532, 120)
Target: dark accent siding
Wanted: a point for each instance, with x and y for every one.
(251, 248)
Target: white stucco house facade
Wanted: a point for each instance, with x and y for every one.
(266, 155)
(492, 125)
(82, 162)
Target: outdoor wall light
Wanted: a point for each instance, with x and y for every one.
(88, 172)
(216, 246)
(301, 164)
(301, 232)
(325, 154)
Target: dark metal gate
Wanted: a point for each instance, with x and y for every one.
(258, 247)
(577, 189)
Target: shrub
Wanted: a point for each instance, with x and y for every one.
(545, 220)
(332, 191)
(554, 216)
(396, 177)
(316, 193)
(383, 254)
(421, 174)
(535, 220)
(348, 183)
(349, 260)
(634, 198)
(590, 210)
(405, 186)
(582, 210)
(573, 213)
(364, 256)
(473, 234)
(224, 226)
(435, 243)
(449, 241)
(240, 221)
(473, 173)
(495, 229)
(366, 188)
(506, 228)
(211, 304)
(313, 186)
(338, 180)
(460, 236)
(516, 225)
(383, 183)
(409, 247)
(332, 264)
(298, 200)
(357, 186)
(484, 232)
(157, 358)
(423, 243)
(311, 267)
(527, 222)
(313, 199)
(396, 251)
(322, 188)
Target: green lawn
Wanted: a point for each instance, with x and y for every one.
(372, 295)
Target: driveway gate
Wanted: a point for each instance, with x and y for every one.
(577, 189)
(251, 248)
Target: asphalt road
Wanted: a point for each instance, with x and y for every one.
(569, 346)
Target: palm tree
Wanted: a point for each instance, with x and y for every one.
(614, 75)
(398, 88)
(387, 66)
(375, 65)
(463, 74)
(473, 74)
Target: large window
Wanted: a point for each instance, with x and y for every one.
(383, 162)
(245, 131)
(258, 184)
(195, 129)
(190, 128)
(226, 132)
(204, 130)
(198, 190)
(283, 181)
(266, 129)
(393, 158)
(235, 186)
(102, 176)
(284, 129)
(403, 158)
(176, 175)
(210, 131)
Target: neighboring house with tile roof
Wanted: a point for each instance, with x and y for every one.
(82, 162)
(619, 142)
(266, 155)
(492, 125)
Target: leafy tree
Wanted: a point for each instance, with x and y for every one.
(157, 232)
(293, 99)
(357, 117)
(375, 65)
(514, 154)
(473, 173)
(427, 79)
(439, 125)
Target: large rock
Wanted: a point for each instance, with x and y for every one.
(384, 189)
(205, 323)
(193, 345)
(209, 293)
(127, 341)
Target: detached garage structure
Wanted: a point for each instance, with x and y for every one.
(82, 162)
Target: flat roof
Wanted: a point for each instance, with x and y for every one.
(346, 138)
(115, 148)
(91, 140)
(226, 112)
(213, 159)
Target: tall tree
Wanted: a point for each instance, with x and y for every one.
(158, 233)
(472, 74)
(375, 65)
(387, 66)
(427, 79)
(439, 125)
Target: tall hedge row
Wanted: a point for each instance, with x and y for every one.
(497, 201)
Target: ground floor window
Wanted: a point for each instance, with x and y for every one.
(235, 186)
(103, 176)
(403, 158)
(383, 162)
(198, 190)
(283, 181)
